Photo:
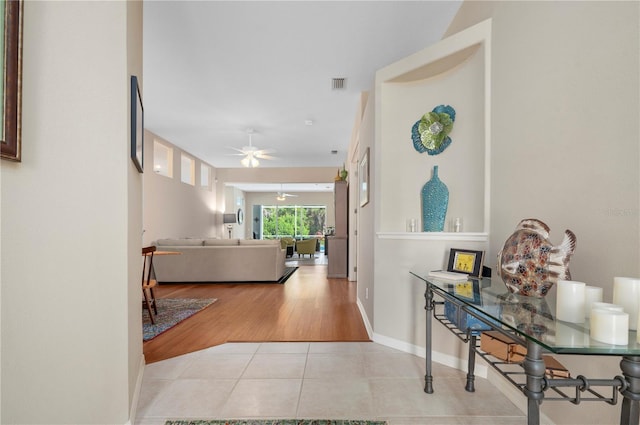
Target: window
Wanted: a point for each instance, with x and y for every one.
(296, 221)
(205, 176)
(162, 159)
(187, 170)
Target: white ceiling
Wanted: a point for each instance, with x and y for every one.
(214, 69)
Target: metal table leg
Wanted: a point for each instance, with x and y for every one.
(428, 377)
(534, 369)
(630, 366)
(471, 365)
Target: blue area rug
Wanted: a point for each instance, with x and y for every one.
(171, 311)
(277, 422)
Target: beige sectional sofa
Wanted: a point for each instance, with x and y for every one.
(219, 260)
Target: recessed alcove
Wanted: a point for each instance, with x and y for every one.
(455, 72)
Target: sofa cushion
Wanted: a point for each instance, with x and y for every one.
(259, 242)
(179, 242)
(220, 242)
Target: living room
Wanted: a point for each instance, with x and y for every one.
(563, 107)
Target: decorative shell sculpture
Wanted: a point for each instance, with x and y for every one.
(529, 264)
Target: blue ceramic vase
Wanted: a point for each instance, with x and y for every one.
(435, 200)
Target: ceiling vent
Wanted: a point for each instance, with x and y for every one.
(338, 83)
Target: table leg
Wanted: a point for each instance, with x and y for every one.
(534, 370)
(428, 377)
(471, 366)
(630, 366)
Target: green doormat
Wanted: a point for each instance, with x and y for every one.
(277, 422)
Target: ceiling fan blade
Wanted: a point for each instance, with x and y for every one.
(264, 151)
(262, 156)
(242, 151)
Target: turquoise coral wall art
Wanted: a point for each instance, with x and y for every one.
(431, 132)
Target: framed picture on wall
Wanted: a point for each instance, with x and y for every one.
(137, 125)
(11, 140)
(363, 179)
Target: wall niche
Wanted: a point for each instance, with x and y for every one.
(456, 72)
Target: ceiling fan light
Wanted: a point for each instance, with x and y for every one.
(250, 161)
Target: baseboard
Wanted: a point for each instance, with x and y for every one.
(445, 359)
(365, 318)
(136, 393)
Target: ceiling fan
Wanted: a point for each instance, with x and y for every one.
(252, 154)
(282, 195)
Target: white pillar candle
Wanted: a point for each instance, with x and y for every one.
(592, 295)
(609, 326)
(626, 292)
(606, 306)
(570, 301)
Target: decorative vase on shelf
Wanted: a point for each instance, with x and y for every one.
(435, 200)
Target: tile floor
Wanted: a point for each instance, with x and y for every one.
(344, 380)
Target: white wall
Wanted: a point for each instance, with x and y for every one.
(234, 201)
(565, 142)
(564, 148)
(365, 216)
(71, 332)
(405, 90)
(173, 209)
(461, 165)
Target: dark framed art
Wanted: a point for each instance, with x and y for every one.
(363, 179)
(465, 261)
(11, 128)
(137, 125)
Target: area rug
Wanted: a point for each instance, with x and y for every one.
(277, 422)
(171, 311)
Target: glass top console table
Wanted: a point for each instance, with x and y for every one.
(530, 321)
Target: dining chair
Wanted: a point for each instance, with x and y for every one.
(148, 283)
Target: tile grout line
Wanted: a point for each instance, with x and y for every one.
(304, 373)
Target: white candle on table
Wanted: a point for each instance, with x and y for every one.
(592, 295)
(626, 292)
(570, 301)
(606, 306)
(610, 326)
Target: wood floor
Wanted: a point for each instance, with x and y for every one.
(308, 307)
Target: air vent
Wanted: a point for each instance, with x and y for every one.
(338, 83)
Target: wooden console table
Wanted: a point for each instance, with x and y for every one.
(532, 322)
